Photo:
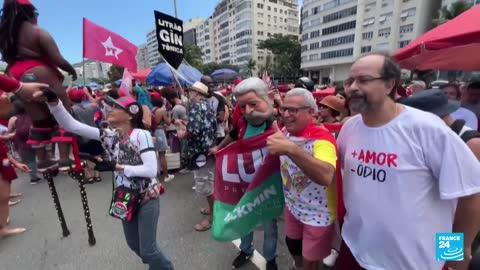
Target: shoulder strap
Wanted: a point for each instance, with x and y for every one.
(457, 126)
(470, 134)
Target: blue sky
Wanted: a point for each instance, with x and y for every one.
(130, 19)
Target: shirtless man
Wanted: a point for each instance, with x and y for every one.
(32, 55)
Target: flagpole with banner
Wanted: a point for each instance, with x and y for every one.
(83, 71)
(106, 46)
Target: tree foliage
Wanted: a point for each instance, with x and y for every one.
(287, 51)
(193, 55)
(452, 11)
(115, 73)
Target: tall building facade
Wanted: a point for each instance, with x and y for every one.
(190, 31)
(231, 34)
(154, 57)
(142, 57)
(93, 70)
(336, 32)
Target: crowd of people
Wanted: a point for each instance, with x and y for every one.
(403, 167)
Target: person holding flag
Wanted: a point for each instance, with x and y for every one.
(32, 55)
(308, 161)
(257, 110)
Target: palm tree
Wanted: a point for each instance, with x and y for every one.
(452, 11)
(251, 65)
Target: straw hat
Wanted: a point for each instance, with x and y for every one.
(199, 87)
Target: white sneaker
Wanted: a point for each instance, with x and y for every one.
(169, 178)
(194, 188)
(331, 259)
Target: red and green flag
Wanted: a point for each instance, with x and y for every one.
(248, 188)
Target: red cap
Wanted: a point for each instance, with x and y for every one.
(155, 95)
(76, 94)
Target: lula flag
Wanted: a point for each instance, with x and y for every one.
(169, 38)
(248, 188)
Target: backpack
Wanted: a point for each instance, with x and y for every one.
(466, 135)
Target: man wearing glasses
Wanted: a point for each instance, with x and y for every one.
(308, 159)
(407, 176)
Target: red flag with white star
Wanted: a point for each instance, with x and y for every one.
(103, 45)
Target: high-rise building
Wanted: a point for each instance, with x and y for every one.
(142, 57)
(204, 38)
(336, 32)
(190, 31)
(154, 57)
(232, 33)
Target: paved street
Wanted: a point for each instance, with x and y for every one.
(42, 246)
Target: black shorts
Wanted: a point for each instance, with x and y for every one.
(91, 147)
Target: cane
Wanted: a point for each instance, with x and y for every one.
(56, 202)
(78, 173)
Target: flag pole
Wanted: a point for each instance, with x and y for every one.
(175, 6)
(83, 71)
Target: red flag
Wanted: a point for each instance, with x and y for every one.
(103, 45)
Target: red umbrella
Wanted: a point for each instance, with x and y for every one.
(454, 45)
(141, 75)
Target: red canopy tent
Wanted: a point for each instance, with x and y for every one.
(454, 45)
(141, 75)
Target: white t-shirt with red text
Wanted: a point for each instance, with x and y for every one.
(401, 183)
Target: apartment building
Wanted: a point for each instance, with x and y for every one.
(189, 32)
(93, 70)
(235, 28)
(142, 57)
(336, 32)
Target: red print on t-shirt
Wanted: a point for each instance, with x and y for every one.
(372, 157)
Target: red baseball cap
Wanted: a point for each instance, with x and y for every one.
(76, 94)
(127, 103)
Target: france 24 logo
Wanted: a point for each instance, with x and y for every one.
(449, 246)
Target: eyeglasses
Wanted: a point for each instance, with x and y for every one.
(292, 110)
(360, 80)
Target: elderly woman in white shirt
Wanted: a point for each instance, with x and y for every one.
(132, 159)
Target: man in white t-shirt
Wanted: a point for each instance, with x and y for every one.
(407, 176)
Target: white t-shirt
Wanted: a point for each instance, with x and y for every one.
(467, 115)
(401, 183)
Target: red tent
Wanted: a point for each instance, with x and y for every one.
(454, 45)
(141, 75)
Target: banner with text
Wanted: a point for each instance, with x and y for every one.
(248, 188)
(169, 38)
